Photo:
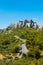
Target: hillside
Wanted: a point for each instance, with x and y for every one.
(10, 45)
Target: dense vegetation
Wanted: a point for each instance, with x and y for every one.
(34, 42)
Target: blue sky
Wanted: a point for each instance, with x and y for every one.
(11, 11)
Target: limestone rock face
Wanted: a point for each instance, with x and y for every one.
(26, 23)
(21, 24)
